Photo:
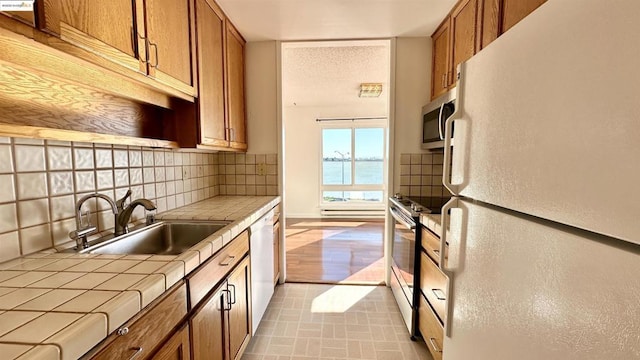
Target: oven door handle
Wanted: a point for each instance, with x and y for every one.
(401, 219)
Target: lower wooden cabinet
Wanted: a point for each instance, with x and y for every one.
(220, 329)
(176, 348)
(139, 337)
(431, 329)
(207, 327)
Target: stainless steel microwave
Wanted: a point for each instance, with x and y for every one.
(433, 117)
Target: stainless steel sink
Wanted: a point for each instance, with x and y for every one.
(163, 238)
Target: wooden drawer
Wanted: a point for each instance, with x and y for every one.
(431, 329)
(205, 278)
(143, 335)
(433, 284)
(431, 244)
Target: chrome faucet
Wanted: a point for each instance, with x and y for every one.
(124, 213)
(82, 230)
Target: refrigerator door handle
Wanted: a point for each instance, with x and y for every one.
(448, 135)
(453, 203)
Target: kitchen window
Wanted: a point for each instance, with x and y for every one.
(353, 166)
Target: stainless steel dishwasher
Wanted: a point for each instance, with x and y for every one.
(261, 247)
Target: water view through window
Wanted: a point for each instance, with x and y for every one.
(352, 164)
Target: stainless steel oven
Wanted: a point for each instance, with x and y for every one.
(404, 267)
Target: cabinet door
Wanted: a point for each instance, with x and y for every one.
(515, 10)
(107, 28)
(207, 328)
(463, 35)
(170, 47)
(235, 89)
(210, 34)
(176, 348)
(488, 22)
(276, 252)
(440, 64)
(238, 284)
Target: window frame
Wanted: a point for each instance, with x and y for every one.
(353, 125)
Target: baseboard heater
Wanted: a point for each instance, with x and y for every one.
(363, 213)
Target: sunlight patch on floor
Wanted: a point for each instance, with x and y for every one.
(328, 223)
(339, 299)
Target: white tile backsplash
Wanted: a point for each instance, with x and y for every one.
(37, 207)
(83, 158)
(7, 188)
(59, 158)
(33, 212)
(61, 183)
(29, 158)
(6, 159)
(32, 185)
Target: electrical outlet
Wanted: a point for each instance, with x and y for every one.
(261, 169)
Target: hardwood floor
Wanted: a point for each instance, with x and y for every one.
(335, 251)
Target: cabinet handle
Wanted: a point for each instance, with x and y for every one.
(439, 294)
(234, 293)
(434, 345)
(155, 50)
(229, 259)
(146, 47)
(443, 81)
(227, 301)
(138, 350)
(123, 331)
(436, 251)
(232, 134)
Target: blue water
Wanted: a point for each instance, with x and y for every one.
(367, 173)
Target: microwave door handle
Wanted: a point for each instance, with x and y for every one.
(440, 122)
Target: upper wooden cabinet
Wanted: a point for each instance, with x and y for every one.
(221, 103)
(440, 61)
(211, 100)
(453, 42)
(498, 16)
(463, 35)
(470, 27)
(515, 10)
(169, 34)
(152, 37)
(235, 89)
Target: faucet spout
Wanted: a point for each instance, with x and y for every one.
(124, 216)
(81, 232)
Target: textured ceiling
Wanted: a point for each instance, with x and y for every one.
(335, 19)
(329, 74)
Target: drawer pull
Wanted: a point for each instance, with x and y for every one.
(138, 350)
(123, 331)
(439, 294)
(434, 345)
(228, 261)
(437, 252)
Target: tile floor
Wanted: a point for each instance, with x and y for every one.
(315, 321)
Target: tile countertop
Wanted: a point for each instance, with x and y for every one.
(58, 306)
(432, 222)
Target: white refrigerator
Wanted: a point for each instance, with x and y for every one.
(544, 229)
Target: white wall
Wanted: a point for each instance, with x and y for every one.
(321, 80)
(303, 144)
(261, 94)
(412, 91)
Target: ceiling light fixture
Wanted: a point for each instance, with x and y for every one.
(370, 90)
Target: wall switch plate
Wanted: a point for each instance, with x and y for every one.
(261, 169)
